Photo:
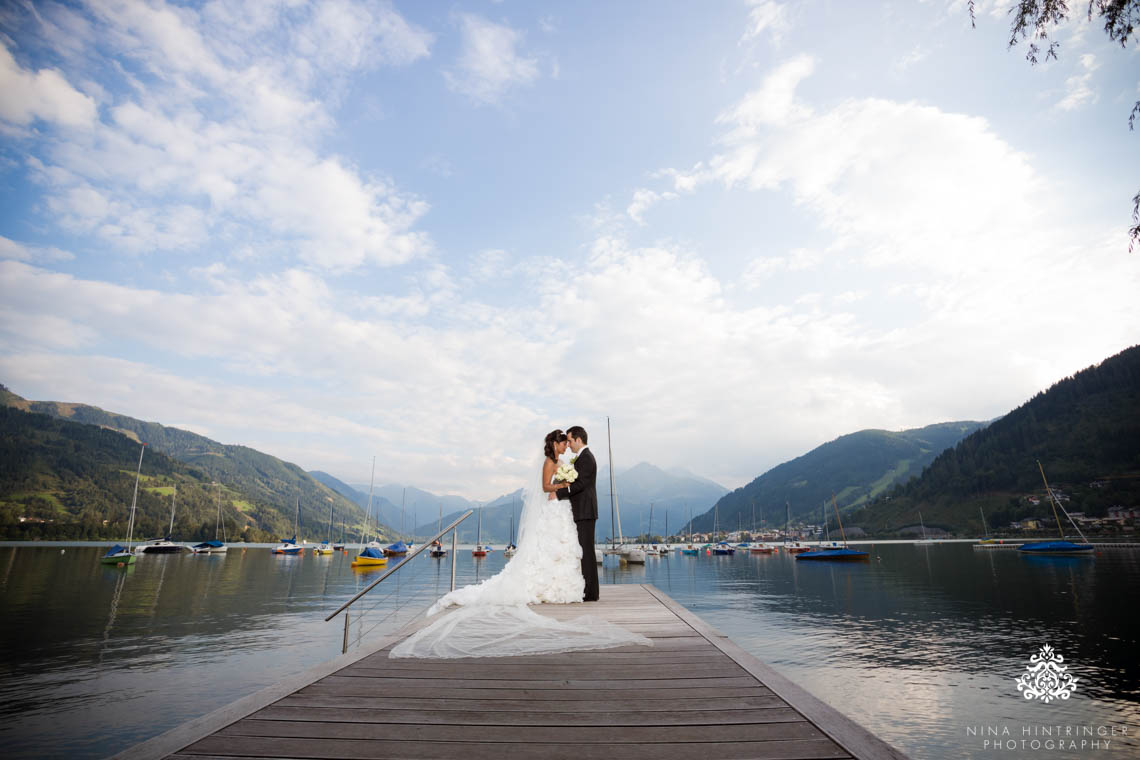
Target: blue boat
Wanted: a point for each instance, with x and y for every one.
(287, 546)
(1063, 547)
(209, 547)
(835, 552)
(398, 549)
(842, 555)
(1057, 548)
(724, 548)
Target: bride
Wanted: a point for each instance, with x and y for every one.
(493, 619)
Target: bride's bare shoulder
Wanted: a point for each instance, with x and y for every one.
(548, 465)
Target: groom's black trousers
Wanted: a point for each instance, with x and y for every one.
(589, 562)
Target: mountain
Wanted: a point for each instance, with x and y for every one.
(262, 488)
(671, 495)
(855, 467)
(389, 513)
(1085, 432)
(68, 480)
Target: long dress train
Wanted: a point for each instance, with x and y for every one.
(493, 619)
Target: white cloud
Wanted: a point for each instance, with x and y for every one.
(773, 103)
(45, 94)
(489, 64)
(643, 200)
(767, 16)
(10, 249)
(215, 127)
(1078, 88)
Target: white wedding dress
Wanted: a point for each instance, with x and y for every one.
(493, 619)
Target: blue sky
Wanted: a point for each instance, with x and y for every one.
(431, 232)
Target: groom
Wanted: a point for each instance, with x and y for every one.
(583, 496)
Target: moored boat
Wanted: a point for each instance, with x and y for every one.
(160, 546)
(1063, 547)
(370, 556)
(398, 549)
(119, 555)
(209, 547)
(833, 551)
(1057, 548)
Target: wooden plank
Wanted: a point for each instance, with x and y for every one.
(468, 669)
(339, 749)
(180, 736)
(847, 733)
(393, 704)
(793, 728)
(776, 712)
(569, 684)
(365, 688)
(602, 657)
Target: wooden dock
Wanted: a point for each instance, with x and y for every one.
(694, 694)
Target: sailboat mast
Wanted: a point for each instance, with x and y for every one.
(839, 520)
(173, 499)
(985, 529)
(368, 512)
(1048, 491)
(134, 500)
(615, 528)
(403, 499)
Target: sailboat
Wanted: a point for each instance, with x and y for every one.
(437, 551)
(288, 546)
(215, 546)
(326, 546)
(759, 548)
(511, 548)
(371, 553)
(835, 552)
(479, 550)
(117, 555)
(690, 550)
(628, 554)
(164, 545)
(652, 550)
(339, 545)
(1063, 547)
(722, 548)
(922, 525)
(986, 530)
(791, 547)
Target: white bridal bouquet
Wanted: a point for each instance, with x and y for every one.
(566, 473)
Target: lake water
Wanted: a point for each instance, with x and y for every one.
(923, 645)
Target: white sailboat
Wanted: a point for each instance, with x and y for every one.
(627, 554)
(117, 555)
(216, 546)
(924, 540)
(164, 545)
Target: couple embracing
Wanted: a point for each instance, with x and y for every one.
(555, 564)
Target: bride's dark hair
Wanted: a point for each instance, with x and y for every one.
(553, 437)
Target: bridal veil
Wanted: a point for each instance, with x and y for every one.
(493, 619)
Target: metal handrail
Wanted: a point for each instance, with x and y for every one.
(424, 545)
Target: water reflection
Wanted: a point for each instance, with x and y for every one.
(919, 643)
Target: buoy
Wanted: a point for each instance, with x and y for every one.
(118, 564)
(63, 551)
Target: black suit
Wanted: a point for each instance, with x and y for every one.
(583, 496)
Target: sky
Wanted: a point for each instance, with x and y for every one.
(430, 232)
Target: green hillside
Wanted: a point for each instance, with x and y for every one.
(1085, 431)
(855, 468)
(263, 489)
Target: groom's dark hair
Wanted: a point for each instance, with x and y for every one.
(578, 432)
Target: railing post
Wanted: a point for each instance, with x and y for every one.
(344, 647)
(454, 554)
